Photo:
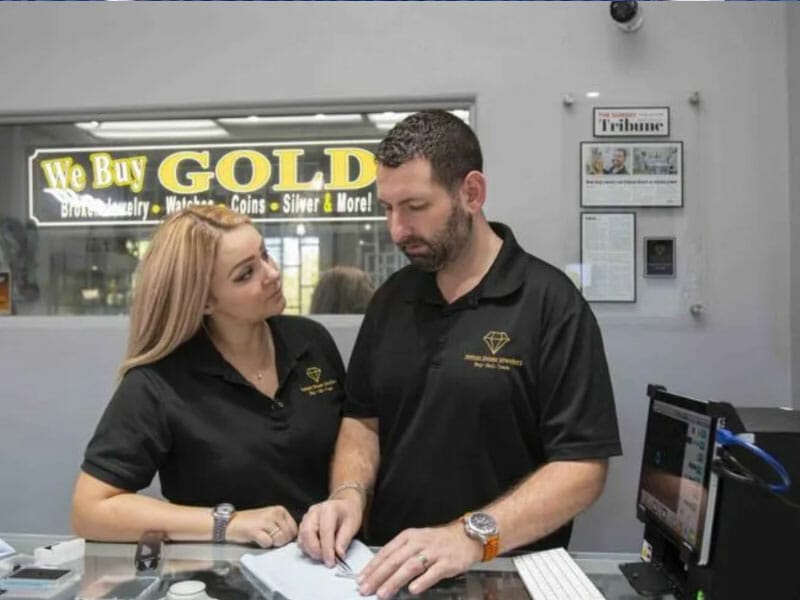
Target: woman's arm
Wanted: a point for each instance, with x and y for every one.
(103, 512)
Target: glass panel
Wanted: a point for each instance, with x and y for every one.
(82, 200)
(291, 289)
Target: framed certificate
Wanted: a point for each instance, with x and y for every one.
(608, 256)
(628, 174)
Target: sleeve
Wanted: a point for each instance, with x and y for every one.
(132, 438)
(360, 403)
(578, 417)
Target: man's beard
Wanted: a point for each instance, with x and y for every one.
(445, 246)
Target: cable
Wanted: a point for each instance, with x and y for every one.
(726, 437)
(728, 467)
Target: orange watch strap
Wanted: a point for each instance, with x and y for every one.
(491, 547)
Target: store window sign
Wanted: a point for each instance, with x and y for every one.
(304, 181)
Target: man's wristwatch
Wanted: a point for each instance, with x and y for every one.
(482, 527)
(222, 514)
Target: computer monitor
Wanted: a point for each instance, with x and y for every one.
(677, 488)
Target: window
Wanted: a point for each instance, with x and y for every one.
(82, 199)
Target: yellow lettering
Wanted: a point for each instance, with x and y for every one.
(198, 180)
(61, 174)
(137, 166)
(287, 172)
(108, 171)
(340, 168)
(101, 169)
(226, 171)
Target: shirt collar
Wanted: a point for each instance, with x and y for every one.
(504, 277)
(507, 273)
(203, 356)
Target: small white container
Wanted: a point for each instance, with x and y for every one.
(188, 590)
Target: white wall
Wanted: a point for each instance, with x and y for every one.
(516, 60)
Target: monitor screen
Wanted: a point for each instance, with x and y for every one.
(675, 488)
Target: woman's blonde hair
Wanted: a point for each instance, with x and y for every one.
(172, 282)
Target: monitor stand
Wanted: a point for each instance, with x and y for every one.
(647, 579)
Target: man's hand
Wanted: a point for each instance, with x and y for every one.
(267, 527)
(422, 557)
(328, 527)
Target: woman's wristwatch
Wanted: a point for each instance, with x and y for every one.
(222, 514)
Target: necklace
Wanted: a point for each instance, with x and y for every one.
(259, 373)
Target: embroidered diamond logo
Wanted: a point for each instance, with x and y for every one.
(314, 373)
(496, 340)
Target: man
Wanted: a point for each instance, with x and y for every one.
(478, 384)
(618, 163)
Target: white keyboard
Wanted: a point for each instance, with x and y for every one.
(554, 575)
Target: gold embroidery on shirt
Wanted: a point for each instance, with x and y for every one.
(314, 374)
(494, 340)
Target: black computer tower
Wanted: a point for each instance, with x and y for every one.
(755, 552)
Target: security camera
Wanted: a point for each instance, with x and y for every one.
(627, 14)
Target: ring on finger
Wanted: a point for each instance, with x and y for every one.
(424, 560)
(273, 532)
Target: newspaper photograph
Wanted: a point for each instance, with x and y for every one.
(639, 174)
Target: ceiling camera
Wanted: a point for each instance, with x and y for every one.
(627, 14)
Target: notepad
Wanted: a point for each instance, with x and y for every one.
(293, 575)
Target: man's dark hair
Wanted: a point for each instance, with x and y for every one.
(437, 136)
(623, 150)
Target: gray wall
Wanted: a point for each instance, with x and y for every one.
(793, 72)
(516, 60)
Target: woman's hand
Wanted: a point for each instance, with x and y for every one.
(268, 527)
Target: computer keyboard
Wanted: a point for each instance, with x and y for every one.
(554, 575)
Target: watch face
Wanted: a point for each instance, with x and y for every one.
(483, 523)
(225, 509)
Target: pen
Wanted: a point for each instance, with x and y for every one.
(345, 570)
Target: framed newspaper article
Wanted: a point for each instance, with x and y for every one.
(635, 174)
(608, 256)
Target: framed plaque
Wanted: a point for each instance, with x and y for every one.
(659, 257)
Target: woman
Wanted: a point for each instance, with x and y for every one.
(230, 402)
(342, 290)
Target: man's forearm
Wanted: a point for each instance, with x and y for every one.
(357, 455)
(546, 500)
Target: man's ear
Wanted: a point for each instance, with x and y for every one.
(473, 191)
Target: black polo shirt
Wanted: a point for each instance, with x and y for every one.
(473, 396)
(213, 437)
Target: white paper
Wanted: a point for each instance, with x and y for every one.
(608, 256)
(295, 576)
